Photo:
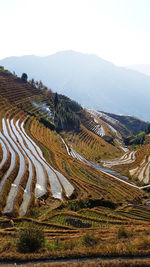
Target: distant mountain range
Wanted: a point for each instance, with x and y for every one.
(142, 68)
(90, 80)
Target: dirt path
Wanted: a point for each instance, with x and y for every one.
(85, 262)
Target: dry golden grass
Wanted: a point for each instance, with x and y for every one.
(91, 146)
(81, 243)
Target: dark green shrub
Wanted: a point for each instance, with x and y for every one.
(88, 240)
(34, 212)
(56, 245)
(30, 239)
(122, 232)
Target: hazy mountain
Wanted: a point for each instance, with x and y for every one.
(142, 68)
(90, 80)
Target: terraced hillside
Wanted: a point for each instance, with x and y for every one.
(56, 180)
(125, 125)
(24, 172)
(134, 164)
(132, 124)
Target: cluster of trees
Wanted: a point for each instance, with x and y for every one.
(64, 114)
(138, 139)
(147, 131)
(65, 117)
(36, 84)
(41, 87)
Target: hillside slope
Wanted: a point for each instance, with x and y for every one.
(130, 125)
(54, 180)
(26, 176)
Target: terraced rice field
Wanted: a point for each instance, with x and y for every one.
(86, 179)
(142, 169)
(133, 163)
(55, 181)
(127, 158)
(26, 175)
(142, 172)
(110, 125)
(93, 147)
(32, 167)
(101, 216)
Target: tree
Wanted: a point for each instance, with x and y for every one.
(14, 73)
(148, 129)
(40, 85)
(2, 68)
(32, 82)
(55, 101)
(24, 77)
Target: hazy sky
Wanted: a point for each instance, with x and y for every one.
(116, 30)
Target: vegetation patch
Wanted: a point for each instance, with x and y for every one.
(30, 239)
(122, 232)
(89, 240)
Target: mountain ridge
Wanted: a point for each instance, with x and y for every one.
(141, 68)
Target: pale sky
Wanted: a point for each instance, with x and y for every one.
(115, 30)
